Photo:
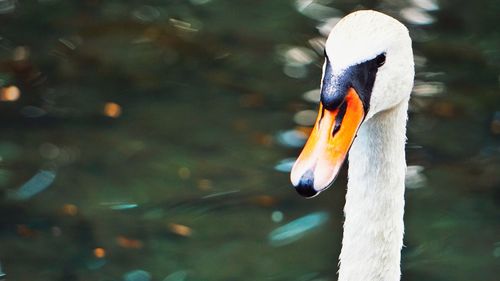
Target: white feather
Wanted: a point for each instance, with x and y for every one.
(373, 228)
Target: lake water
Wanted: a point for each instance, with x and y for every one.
(152, 140)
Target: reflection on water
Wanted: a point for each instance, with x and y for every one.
(33, 186)
(416, 16)
(292, 138)
(285, 165)
(415, 177)
(2, 274)
(177, 276)
(137, 275)
(295, 229)
(152, 141)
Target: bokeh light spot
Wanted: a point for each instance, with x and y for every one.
(11, 93)
(112, 110)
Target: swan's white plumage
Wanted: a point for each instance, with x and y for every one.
(361, 36)
(373, 228)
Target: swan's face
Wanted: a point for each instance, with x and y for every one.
(368, 69)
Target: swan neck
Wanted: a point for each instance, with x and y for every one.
(373, 228)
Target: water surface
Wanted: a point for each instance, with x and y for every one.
(150, 140)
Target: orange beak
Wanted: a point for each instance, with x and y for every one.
(328, 145)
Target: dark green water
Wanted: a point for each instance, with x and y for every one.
(182, 182)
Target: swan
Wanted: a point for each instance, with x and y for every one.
(365, 88)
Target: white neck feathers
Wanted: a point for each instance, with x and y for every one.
(373, 228)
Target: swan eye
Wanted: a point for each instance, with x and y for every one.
(380, 60)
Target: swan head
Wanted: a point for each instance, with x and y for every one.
(368, 69)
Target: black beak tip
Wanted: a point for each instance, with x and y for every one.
(306, 185)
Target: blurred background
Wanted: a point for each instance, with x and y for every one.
(152, 140)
